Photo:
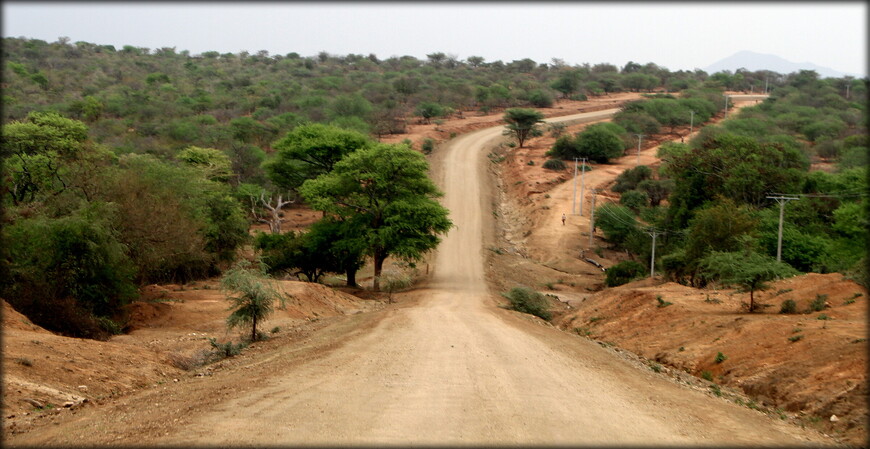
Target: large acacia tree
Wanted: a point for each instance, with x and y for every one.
(384, 193)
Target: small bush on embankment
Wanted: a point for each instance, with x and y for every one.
(526, 300)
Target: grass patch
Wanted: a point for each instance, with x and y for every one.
(662, 302)
(583, 331)
(712, 301)
(795, 338)
(554, 164)
(655, 367)
(707, 375)
(716, 390)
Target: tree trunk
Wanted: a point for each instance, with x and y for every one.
(351, 277)
(379, 259)
(751, 300)
(254, 330)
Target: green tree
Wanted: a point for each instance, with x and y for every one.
(629, 179)
(657, 190)
(567, 83)
(599, 144)
(255, 295)
(428, 110)
(214, 163)
(749, 270)
(719, 227)
(634, 200)
(623, 273)
(618, 223)
(384, 193)
(309, 151)
(36, 151)
(522, 123)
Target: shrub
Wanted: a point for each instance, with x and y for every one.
(707, 375)
(795, 338)
(427, 146)
(623, 272)
(525, 300)
(564, 148)
(540, 98)
(228, 349)
(818, 304)
(788, 306)
(634, 199)
(599, 144)
(629, 179)
(554, 164)
(557, 129)
(720, 358)
(66, 272)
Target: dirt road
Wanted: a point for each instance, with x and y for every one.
(446, 366)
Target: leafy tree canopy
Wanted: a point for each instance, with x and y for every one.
(522, 123)
(385, 193)
(311, 150)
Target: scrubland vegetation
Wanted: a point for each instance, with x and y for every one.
(125, 167)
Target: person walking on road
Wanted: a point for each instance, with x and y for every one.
(563, 219)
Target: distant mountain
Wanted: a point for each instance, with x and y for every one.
(756, 61)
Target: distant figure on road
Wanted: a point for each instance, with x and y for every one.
(563, 219)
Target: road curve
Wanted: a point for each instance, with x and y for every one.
(454, 369)
(449, 368)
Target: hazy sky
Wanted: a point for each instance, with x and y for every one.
(674, 35)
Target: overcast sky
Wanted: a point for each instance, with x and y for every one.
(674, 35)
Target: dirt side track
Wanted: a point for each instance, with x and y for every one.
(445, 366)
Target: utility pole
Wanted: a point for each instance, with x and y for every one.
(691, 123)
(592, 218)
(574, 197)
(652, 259)
(639, 139)
(765, 82)
(781, 200)
(582, 173)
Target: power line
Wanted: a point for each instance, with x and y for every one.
(852, 193)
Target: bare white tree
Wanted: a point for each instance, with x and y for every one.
(274, 207)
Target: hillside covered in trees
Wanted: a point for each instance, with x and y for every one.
(715, 201)
(123, 167)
